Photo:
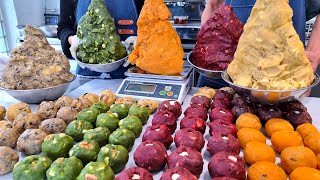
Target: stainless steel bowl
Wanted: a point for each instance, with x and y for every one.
(267, 96)
(49, 30)
(103, 68)
(35, 96)
(205, 72)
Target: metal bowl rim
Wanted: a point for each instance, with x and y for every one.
(48, 88)
(206, 70)
(224, 76)
(115, 62)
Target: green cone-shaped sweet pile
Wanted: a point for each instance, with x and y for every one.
(100, 42)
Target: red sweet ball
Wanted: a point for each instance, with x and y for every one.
(202, 101)
(224, 103)
(224, 178)
(178, 173)
(172, 106)
(196, 111)
(135, 173)
(221, 113)
(188, 158)
(221, 94)
(193, 122)
(151, 155)
(239, 101)
(296, 117)
(223, 143)
(227, 164)
(223, 127)
(159, 133)
(165, 118)
(190, 138)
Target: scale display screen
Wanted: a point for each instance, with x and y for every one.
(146, 88)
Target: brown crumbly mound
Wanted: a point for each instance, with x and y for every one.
(35, 64)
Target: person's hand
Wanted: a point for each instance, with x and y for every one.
(314, 58)
(75, 41)
(129, 43)
(209, 9)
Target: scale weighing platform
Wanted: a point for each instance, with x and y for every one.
(156, 87)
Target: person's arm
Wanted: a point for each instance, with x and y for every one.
(66, 26)
(313, 47)
(208, 10)
(139, 4)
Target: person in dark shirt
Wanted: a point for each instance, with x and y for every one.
(124, 12)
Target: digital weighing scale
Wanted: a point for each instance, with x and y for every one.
(156, 87)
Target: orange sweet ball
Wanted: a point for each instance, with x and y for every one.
(257, 151)
(276, 124)
(248, 120)
(246, 135)
(305, 173)
(318, 161)
(312, 141)
(297, 156)
(283, 139)
(266, 170)
(305, 129)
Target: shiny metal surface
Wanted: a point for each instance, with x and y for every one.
(267, 96)
(49, 30)
(35, 96)
(103, 68)
(205, 72)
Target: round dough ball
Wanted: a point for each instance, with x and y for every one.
(195, 123)
(283, 139)
(86, 151)
(267, 112)
(318, 161)
(178, 173)
(223, 143)
(159, 133)
(248, 120)
(122, 137)
(207, 91)
(141, 112)
(95, 171)
(107, 97)
(189, 137)
(76, 129)
(52, 126)
(201, 101)
(257, 151)
(188, 158)
(8, 137)
(266, 170)
(223, 127)
(172, 106)
(128, 100)
(26, 121)
(4, 124)
(276, 124)
(150, 155)
(246, 135)
(68, 114)
(224, 103)
(152, 105)
(305, 129)
(56, 145)
(15, 109)
(227, 164)
(297, 117)
(221, 113)
(9, 158)
(297, 156)
(312, 142)
(30, 141)
(116, 156)
(305, 173)
(165, 118)
(93, 98)
(3, 112)
(64, 101)
(238, 110)
(80, 103)
(229, 90)
(239, 101)
(135, 173)
(196, 111)
(221, 94)
(47, 109)
(224, 178)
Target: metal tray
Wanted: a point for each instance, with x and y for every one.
(133, 72)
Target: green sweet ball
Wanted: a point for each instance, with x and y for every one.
(121, 109)
(116, 156)
(103, 108)
(96, 170)
(56, 145)
(65, 169)
(122, 137)
(109, 120)
(75, 128)
(131, 123)
(31, 168)
(89, 114)
(99, 134)
(141, 112)
(86, 151)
